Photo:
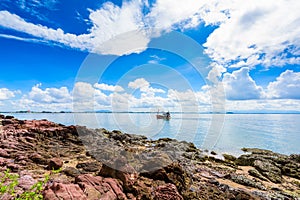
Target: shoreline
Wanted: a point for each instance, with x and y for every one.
(133, 167)
(231, 143)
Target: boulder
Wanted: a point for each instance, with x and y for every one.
(173, 173)
(97, 187)
(4, 154)
(243, 180)
(89, 166)
(37, 158)
(269, 170)
(58, 191)
(71, 171)
(126, 174)
(55, 164)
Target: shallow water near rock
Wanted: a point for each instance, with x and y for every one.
(276, 132)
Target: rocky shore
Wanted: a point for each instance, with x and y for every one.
(84, 163)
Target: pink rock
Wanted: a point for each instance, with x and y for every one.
(126, 174)
(59, 191)
(37, 158)
(167, 192)
(3, 153)
(97, 187)
(26, 182)
(55, 163)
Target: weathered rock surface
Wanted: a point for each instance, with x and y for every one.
(99, 164)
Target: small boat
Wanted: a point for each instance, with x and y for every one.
(164, 115)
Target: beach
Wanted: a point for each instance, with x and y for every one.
(85, 163)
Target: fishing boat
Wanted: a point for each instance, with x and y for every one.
(164, 115)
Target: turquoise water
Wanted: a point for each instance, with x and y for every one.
(222, 133)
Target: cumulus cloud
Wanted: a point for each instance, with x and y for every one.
(39, 99)
(257, 32)
(240, 86)
(112, 88)
(246, 33)
(286, 86)
(115, 30)
(119, 30)
(144, 86)
(216, 72)
(6, 94)
(49, 95)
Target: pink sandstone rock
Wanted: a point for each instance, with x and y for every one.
(55, 163)
(58, 191)
(167, 192)
(97, 187)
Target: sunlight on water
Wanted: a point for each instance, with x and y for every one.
(277, 132)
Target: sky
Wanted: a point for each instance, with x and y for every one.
(144, 55)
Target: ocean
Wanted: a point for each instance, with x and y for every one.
(219, 132)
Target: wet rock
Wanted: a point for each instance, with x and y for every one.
(55, 164)
(243, 180)
(256, 174)
(126, 174)
(292, 169)
(229, 157)
(58, 191)
(269, 170)
(6, 121)
(170, 169)
(295, 157)
(37, 158)
(192, 148)
(71, 171)
(9, 117)
(155, 162)
(173, 173)
(167, 192)
(89, 166)
(245, 160)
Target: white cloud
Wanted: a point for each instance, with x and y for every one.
(144, 86)
(119, 30)
(155, 59)
(257, 32)
(247, 33)
(115, 30)
(215, 74)
(48, 99)
(139, 83)
(112, 88)
(286, 86)
(166, 13)
(240, 86)
(6, 94)
(49, 95)
(15, 22)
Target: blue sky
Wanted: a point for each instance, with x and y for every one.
(141, 55)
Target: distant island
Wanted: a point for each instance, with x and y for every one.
(109, 111)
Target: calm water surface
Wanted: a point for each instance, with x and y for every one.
(222, 133)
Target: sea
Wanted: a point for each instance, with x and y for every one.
(222, 133)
